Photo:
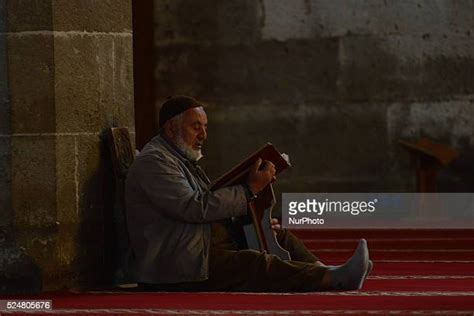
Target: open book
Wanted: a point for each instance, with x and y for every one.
(238, 174)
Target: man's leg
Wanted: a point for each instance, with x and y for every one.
(254, 271)
(251, 271)
(296, 247)
(299, 252)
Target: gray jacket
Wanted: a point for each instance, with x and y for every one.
(169, 215)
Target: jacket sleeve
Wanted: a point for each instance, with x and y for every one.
(169, 191)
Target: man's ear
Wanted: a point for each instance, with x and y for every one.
(168, 130)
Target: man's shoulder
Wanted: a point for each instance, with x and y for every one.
(156, 153)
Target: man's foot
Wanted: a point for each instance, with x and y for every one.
(370, 266)
(350, 275)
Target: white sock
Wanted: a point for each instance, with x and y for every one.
(351, 275)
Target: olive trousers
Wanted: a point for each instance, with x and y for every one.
(248, 270)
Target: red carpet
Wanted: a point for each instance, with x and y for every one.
(415, 272)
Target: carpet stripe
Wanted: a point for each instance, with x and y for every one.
(366, 301)
(398, 293)
(397, 250)
(425, 261)
(393, 234)
(393, 239)
(398, 255)
(420, 277)
(152, 311)
(329, 293)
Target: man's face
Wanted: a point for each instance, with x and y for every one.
(191, 132)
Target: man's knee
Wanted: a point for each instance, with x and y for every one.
(251, 256)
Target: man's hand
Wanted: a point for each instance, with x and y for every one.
(259, 179)
(275, 224)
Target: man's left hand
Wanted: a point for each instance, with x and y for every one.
(275, 224)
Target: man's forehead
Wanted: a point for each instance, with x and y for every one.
(196, 115)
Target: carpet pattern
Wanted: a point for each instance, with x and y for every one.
(416, 272)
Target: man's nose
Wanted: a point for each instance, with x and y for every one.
(203, 134)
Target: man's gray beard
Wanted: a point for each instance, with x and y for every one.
(190, 153)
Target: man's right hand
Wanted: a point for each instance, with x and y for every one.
(259, 179)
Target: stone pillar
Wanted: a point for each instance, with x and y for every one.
(65, 76)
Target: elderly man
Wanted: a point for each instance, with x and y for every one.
(181, 233)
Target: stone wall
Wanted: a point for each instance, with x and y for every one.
(333, 83)
(66, 75)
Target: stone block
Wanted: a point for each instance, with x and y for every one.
(3, 18)
(448, 76)
(31, 83)
(67, 253)
(282, 73)
(67, 181)
(93, 16)
(4, 118)
(320, 18)
(28, 15)
(404, 68)
(284, 20)
(33, 176)
(4, 93)
(449, 122)
(238, 21)
(6, 214)
(437, 66)
(212, 21)
(459, 17)
(4, 103)
(39, 244)
(369, 71)
(94, 82)
(69, 250)
(19, 273)
(185, 20)
(33, 196)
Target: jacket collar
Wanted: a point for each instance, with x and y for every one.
(192, 165)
